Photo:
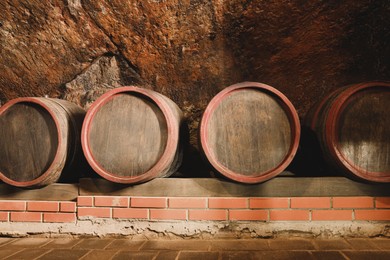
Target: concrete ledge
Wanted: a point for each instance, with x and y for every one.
(53, 192)
(198, 229)
(212, 187)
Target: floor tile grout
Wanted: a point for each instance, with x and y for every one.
(48, 251)
(8, 242)
(17, 251)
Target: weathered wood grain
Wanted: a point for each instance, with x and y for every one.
(364, 135)
(353, 128)
(128, 135)
(29, 141)
(250, 132)
(212, 187)
(131, 135)
(52, 192)
(39, 137)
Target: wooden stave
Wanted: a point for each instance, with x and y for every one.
(75, 158)
(324, 123)
(62, 120)
(170, 160)
(295, 133)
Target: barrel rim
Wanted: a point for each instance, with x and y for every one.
(164, 160)
(58, 161)
(317, 108)
(331, 138)
(294, 127)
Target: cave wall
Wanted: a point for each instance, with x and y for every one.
(189, 50)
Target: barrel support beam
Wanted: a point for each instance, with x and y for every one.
(211, 187)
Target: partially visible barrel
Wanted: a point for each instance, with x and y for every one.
(131, 135)
(39, 139)
(352, 125)
(250, 132)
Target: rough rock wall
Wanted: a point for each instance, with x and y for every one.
(308, 48)
(189, 50)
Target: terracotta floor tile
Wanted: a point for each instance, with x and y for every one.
(100, 255)
(201, 245)
(239, 245)
(30, 242)
(28, 254)
(64, 254)
(126, 244)
(93, 243)
(291, 244)
(196, 255)
(64, 243)
(129, 255)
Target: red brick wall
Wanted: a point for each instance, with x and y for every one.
(37, 211)
(236, 209)
(198, 209)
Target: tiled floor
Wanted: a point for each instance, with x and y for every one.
(242, 249)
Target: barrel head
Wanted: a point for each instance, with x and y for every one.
(28, 141)
(363, 138)
(128, 134)
(249, 132)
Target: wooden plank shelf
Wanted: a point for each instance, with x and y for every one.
(283, 186)
(53, 192)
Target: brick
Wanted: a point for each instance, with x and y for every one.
(372, 254)
(285, 215)
(248, 215)
(268, 203)
(144, 202)
(379, 214)
(13, 205)
(353, 202)
(112, 201)
(212, 214)
(59, 217)
(64, 254)
(201, 255)
(95, 243)
(26, 217)
(68, 207)
(187, 203)
(291, 243)
(134, 255)
(228, 203)
(43, 206)
(4, 216)
(176, 245)
(310, 202)
(94, 212)
(382, 203)
(85, 201)
(179, 214)
(331, 215)
(332, 244)
(129, 213)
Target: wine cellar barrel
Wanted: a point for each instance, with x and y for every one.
(352, 125)
(39, 140)
(250, 132)
(131, 135)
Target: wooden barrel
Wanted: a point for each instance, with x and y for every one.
(352, 125)
(131, 135)
(250, 132)
(39, 140)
